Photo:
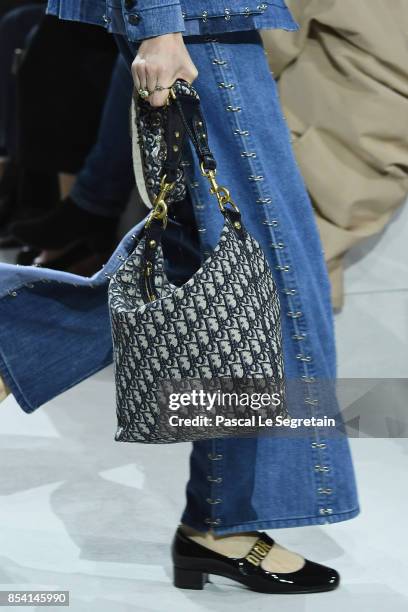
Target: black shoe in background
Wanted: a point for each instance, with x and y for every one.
(25, 194)
(26, 256)
(77, 259)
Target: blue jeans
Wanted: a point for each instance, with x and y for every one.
(106, 180)
(55, 326)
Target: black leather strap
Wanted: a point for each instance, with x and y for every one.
(196, 128)
(234, 218)
(185, 119)
(175, 137)
(153, 234)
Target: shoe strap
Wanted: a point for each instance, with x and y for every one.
(260, 549)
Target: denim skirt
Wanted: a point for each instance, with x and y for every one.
(55, 332)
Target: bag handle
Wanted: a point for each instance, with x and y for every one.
(189, 110)
(184, 119)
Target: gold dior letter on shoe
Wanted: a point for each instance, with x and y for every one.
(258, 552)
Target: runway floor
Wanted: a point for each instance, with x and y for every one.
(83, 513)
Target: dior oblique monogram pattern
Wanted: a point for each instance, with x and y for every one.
(150, 128)
(223, 322)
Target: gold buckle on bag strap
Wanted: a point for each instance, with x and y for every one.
(160, 208)
(222, 193)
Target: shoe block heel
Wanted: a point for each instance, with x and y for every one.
(189, 579)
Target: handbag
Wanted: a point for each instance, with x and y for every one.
(218, 332)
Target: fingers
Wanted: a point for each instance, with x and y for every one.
(161, 61)
(147, 76)
(139, 72)
(151, 77)
(157, 76)
(158, 98)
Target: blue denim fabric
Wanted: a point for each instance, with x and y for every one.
(104, 184)
(148, 18)
(55, 327)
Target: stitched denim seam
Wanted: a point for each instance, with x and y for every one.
(312, 519)
(321, 519)
(219, 52)
(11, 382)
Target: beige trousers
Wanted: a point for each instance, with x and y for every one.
(343, 81)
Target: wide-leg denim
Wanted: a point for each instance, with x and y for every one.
(55, 327)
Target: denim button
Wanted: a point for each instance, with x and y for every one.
(134, 19)
(129, 4)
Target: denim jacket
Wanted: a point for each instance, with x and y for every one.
(140, 19)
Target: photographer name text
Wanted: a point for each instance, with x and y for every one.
(255, 420)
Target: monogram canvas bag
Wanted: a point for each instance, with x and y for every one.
(219, 329)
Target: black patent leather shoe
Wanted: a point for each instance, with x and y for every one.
(193, 563)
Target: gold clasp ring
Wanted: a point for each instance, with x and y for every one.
(160, 208)
(222, 193)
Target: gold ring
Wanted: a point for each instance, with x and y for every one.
(143, 93)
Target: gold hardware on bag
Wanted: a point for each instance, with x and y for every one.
(147, 274)
(222, 193)
(171, 95)
(160, 208)
(160, 212)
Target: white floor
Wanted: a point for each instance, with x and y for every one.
(83, 513)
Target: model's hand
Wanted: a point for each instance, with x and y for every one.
(160, 61)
